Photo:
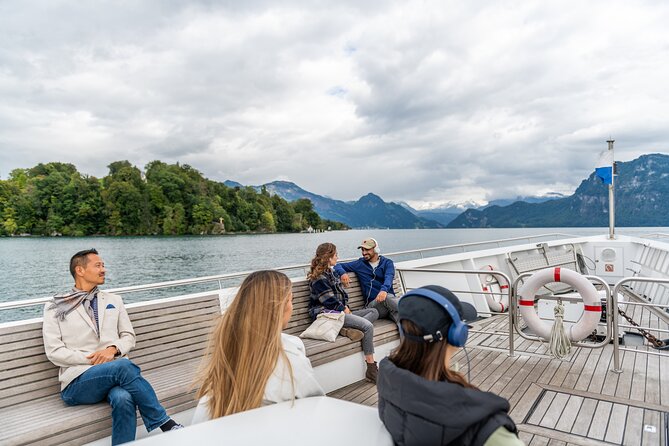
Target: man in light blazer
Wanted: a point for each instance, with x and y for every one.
(87, 333)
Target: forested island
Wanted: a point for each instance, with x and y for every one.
(164, 199)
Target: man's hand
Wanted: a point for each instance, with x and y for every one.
(381, 296)
(102, 356)
(345, 279)
(347, 310)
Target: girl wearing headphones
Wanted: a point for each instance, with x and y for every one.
(433, 324)
(327, 294)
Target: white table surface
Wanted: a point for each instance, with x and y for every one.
(319, 420)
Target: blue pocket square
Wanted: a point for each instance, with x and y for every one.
(110, 306)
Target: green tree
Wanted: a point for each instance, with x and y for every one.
(305, 207)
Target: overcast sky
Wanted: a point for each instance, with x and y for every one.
(424, 102)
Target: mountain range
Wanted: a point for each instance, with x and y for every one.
(370, 211)
(641, 198)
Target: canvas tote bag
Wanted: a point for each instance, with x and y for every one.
(326, 326)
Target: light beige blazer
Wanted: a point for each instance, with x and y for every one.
(68, 342)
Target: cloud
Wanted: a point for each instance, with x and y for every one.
(422, 102)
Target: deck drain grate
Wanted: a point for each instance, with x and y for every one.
(598, 419)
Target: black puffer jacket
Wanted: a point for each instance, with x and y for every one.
(424, 413)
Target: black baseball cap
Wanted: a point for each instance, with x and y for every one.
(428, 315)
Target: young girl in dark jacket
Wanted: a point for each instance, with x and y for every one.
(327, 294)
(421, 400)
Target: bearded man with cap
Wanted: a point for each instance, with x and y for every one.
(375, 274)
(422, 401)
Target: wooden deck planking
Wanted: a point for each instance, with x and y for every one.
(525, 437)
(554, 411)
(624, 384)
(514, 395)
(616, 427)
(539, 441)
(583, 381)
(563, 370)
(542, 408)
(653, 379)
(603, 369)
(651, 418)
(639, 374)
(583, 420)
(498, 373)
(569, 414)
(501, 382)
(580, 367)
(600, 420)
(664, 386)
(633, 428)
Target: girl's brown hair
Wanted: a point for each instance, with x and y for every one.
(245, 345)
(425, 359)
(321, 262)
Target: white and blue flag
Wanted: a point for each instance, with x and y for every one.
(604, 167)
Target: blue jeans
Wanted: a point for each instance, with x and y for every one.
(120, 383)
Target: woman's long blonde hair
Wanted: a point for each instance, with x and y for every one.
(246, 345)
(321, 261)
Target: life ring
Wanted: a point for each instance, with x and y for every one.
(496, 294)
(592, 306)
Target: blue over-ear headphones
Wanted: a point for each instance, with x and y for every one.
(458, 330)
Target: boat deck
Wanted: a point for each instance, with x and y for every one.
(575, 401)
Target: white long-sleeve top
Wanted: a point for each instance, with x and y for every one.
(279, 387)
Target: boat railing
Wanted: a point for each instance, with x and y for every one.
(512, 295)
(221, 281)
(499, 275)
(466, 247)
(619, 287)
(655, 235)
(233, 279)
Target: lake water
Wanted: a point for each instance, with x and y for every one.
(34, 267)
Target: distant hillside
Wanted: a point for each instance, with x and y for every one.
(508, 201)
(55, 199)
(447, 213)
(369, 211)
(642, 199)
(443, 216)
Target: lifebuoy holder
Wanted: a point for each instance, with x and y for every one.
(592, 306)
(496, 292)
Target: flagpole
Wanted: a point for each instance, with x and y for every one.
(612, 205)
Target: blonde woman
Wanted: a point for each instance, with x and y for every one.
(327, 294)
(251, 362)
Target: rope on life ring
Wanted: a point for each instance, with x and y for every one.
(496, 294)
(592, 305)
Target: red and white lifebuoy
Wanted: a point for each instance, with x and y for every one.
(592, 306)
(496, 293)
